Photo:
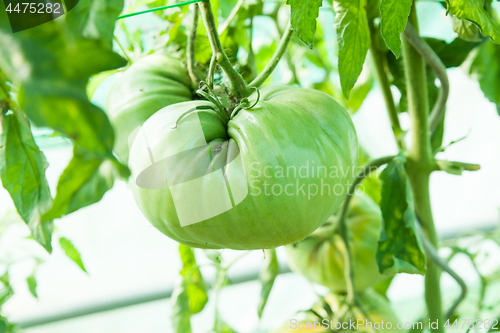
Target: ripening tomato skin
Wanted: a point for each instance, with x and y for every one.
(320, 257)
(288, 128)
(148, 85)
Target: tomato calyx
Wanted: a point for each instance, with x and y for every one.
(245, 104)
(217, 108)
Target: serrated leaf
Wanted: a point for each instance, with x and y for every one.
(353, 37)
(84, 181)
(303, 18)
(398, 250)
(267, 276)
(394, 14)
(486, 69)
(473, 10)
(31, 280)
(195, 285)
(71, 252)
(22, 170)
(95, 19)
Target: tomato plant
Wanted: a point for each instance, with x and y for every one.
(231, 122)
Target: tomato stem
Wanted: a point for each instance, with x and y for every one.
(438, 67)
(420, 163)
(431, 253)
(237, 84)
(271, 65)
(190, 49)
(379, 61)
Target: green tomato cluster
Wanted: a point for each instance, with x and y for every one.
(320, 257)
(203, 178)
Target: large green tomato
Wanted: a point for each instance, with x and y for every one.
(150, 84)
(268, 177)
(320, 257)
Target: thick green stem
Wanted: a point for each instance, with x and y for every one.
(271, 65)
(288, 59)
(420, 165)
(190, 50)
(379, 61)
(237, 84)
(231, 17)
(439, 68)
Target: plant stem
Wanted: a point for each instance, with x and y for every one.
(236, 82)
(123, 50)
(288, 59)
(420, 163)
(438, 67)
(271, 65)
(385, 85)
(231, 17)
(190, 50)
(434, 256)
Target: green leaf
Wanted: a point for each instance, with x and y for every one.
(22, 170)
(303, 18)
(181, 315)
(398, 250)
(395, 15)
(52, 66)
(95, 19)
(453, 54)
(353, 37)
(84, 181)
(72, 253)
(473, 10)
(486, 69)
(195, 285)
(31, 280)
(466, 30)
(267, 276)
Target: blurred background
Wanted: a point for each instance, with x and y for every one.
(131, 268)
